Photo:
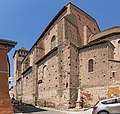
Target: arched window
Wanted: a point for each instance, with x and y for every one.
(44, 71)
(90, 65)
(53, 42)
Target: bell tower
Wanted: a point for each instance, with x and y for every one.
(18, 57)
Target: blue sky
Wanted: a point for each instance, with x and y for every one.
(24, 20)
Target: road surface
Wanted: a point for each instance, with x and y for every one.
(29, 109)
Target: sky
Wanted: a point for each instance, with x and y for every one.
(23, 21)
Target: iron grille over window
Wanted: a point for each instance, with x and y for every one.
(90, 65)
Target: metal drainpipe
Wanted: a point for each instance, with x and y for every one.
(36, 91)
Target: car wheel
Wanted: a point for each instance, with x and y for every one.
(103, 112)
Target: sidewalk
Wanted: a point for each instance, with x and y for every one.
(60, 112)
(89, 111)
(71, 111)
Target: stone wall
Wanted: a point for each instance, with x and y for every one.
(82, 20)
(91, 95)
(93, 84)
(64, 71)
(19, 89)
(114, 66)
(48, 82)
(74, 77)
(28, 96)
(18, 57)
(115, 40)
(99, 54)
(56, 72)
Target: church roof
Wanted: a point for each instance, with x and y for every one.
(103, 34)
(56, 17)
(49, 25)
(96, 43)
(22, 48)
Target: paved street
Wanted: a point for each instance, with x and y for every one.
(49, 112)
(63, 112)
(84, 112)
(29, 109)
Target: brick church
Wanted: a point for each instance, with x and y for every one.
(71, 54)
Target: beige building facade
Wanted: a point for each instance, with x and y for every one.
(71, 53)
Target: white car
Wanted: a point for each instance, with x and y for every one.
(108, 106)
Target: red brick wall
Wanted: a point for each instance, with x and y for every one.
(5, 104)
